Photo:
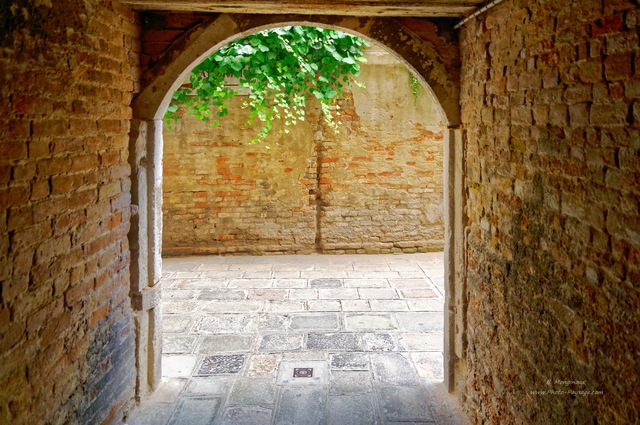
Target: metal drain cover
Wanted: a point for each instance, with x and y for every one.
(302, 372)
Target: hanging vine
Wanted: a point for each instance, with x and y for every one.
(281, 67)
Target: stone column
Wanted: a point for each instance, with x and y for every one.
(455, 259)
(145, 153)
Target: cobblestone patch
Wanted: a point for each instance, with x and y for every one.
(219, 364)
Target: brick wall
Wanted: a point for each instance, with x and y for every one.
(550, 95)
(66, 342)
(376, 186)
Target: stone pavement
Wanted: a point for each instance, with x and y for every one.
(301, 340)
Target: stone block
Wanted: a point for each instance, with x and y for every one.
(352, 409)
(381, 342)
(221, 364)
(302, 406)
(247, 415)
(315, 321)
(350, 361)
(334, 341)
(271, 343)
(369, 321)
(253, 391)
(405, 404)
(393, 369)
(195, 411)
(225, 343)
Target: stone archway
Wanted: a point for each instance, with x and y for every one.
(146, 146)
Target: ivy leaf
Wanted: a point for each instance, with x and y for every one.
(281, 67)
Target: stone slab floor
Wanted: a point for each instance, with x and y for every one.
(301, 340)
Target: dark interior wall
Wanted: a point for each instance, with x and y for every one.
(551, 108)
(68, 70)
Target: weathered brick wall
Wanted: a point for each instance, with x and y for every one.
(550, 98)
(66, 341)
(224, 195)
(376, 186)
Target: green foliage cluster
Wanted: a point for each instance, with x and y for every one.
(281, 67)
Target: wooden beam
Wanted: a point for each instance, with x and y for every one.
(372, 8)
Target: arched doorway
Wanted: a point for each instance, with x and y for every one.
(146, 144)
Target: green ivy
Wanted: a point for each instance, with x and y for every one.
(281, 67)
(415, 86)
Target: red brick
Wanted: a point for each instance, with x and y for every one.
(13, 151)
(615, 114)
(607, 25)
(618, 67)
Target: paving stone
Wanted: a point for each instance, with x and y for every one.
(338, 294)
(381, 342)
(268, 294)
(409, 283)
(324, 305)
(334, 341)
(178, 294)
(176, 324)
(263, 364)
(221, 294)
(172, 344)
(377, 293)
(253, 391)
(247, 415)
(187, 274)
(349, 361)
(286, 342)
(195, 411)
(368, 321)
(404, 404)
(225, 343)
(169, 307)
(261, 274)
(350, 382)
(202, 283)
(325, 283)
(366, 283)
(286, 370)
(284, 274)
(226, 323)
(241, 306)
(423, 341)
(210, 385)
(282, 282)
(302, 406)
(149, 413)
(324, 274)
(434, 304)
(430, 365)
(250, 283)
(434, 272)
(393, 369)
(352, 410)
(220, 364)
(388, 305)
(305, 355)
(358, 274)
(222, 274)
(421, 321)
(303, 294)
(315, 321)
(168, 391)
(418, 293)
(274, 322)
(355, 305)
(405, 267)
(208, 266)
(284, 306)
(178, 365)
